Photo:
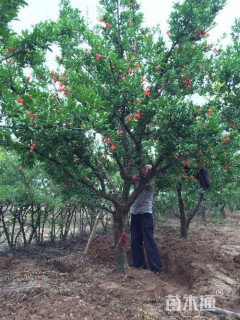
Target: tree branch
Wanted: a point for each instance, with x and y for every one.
(13, 54)
(193, 212)
(99, 161)
(215, 310)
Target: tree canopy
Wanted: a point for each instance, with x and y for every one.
(121, 96)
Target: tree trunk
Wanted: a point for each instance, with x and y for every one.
(182, 212)
(202, 212)
(222, 210)
(186, 219)
(193, 212)
(119, 221)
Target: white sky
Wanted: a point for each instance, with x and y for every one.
(155, 12)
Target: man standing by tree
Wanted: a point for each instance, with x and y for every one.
(142, 229)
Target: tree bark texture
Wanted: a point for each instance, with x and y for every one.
(119, 223)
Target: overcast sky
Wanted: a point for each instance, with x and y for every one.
(155, 12)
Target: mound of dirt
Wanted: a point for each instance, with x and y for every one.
(50, 283)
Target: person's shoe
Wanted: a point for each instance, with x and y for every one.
(158, 273)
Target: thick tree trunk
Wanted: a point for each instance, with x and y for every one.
(119, 222)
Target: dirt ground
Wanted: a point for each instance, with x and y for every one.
(49, 283)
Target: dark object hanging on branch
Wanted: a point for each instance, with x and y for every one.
(204, 178)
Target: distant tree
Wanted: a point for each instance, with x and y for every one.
(33, 208)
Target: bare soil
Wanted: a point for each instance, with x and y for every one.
(50, 283)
